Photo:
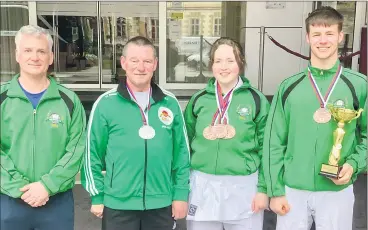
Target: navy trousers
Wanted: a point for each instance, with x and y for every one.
(57, 214)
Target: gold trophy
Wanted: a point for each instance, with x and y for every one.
(342, 116)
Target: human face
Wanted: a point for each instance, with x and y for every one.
(324, 42)
(34, 55)
(225, 68)
(139, 65)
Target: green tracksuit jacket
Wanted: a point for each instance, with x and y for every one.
(140, 174)
(296, 146)
(240, 155)
(45, 144)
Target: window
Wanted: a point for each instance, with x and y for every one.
(194, 27)
(155, 32)
(217, 27)
(18, 12)
(125, 20)
(121, 27)
(347, 9)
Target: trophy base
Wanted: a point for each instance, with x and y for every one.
(330, 171)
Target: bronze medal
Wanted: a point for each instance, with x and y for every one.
(322, 115)
(208, 133)
(230, 132)
(219, 130)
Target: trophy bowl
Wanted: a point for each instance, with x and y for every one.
(344, 115)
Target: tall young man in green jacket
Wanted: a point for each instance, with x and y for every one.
(137, 133)
(299, 135)
(42, 140)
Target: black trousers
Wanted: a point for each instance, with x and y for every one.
(154, 219)
(57, 214)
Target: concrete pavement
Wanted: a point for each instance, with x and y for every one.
(84, 220)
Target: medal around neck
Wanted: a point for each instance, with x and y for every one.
(322, 115)
(230, 132)
(219, 130)
(209, 134)
(147, 132)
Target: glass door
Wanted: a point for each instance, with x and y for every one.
(121, 21)
(74, 27)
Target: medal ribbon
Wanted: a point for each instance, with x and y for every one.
(143, 113)
(223, 103)
(323, 100)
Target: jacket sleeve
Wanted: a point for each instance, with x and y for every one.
(261, 120)
(190, 120)
(68, 166)
(11, 179)
(358, 159)
(181, 158)
(274, 147)
(97, 136)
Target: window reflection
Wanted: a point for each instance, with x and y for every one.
(18, 12)
(75, 40)
(347, 9)
(118, 26)
(192, 28)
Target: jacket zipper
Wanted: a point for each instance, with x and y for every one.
(34, 143)
(145, 174)
(217, 152)
(112, 174)
(315, 156)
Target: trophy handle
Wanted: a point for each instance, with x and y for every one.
(358, 113)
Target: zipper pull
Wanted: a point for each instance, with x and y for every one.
(34, 111)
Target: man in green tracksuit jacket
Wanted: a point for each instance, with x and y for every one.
(42, 141)
(136, 132)
(299, 135)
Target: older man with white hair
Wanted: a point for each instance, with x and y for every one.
(42, 140)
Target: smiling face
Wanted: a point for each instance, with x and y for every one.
(34, 55)
(225, 67)
(324, 41)
(139, 64)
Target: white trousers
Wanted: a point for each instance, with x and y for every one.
(221, 197)
(329, 210)
(255, 222)
(222, 201)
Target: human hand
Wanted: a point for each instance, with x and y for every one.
(35, 194)
(179, 209)
(279, 205)
(260, 202)
(97, 210)
(345, 175)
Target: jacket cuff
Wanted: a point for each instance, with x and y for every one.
(353, 164)
(45, 182)
(280, 192)
(262, 189)
(181, 194)
(98, 199)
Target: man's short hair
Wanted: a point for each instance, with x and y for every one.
(139, 41)
(34, 31)
(324, 16)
